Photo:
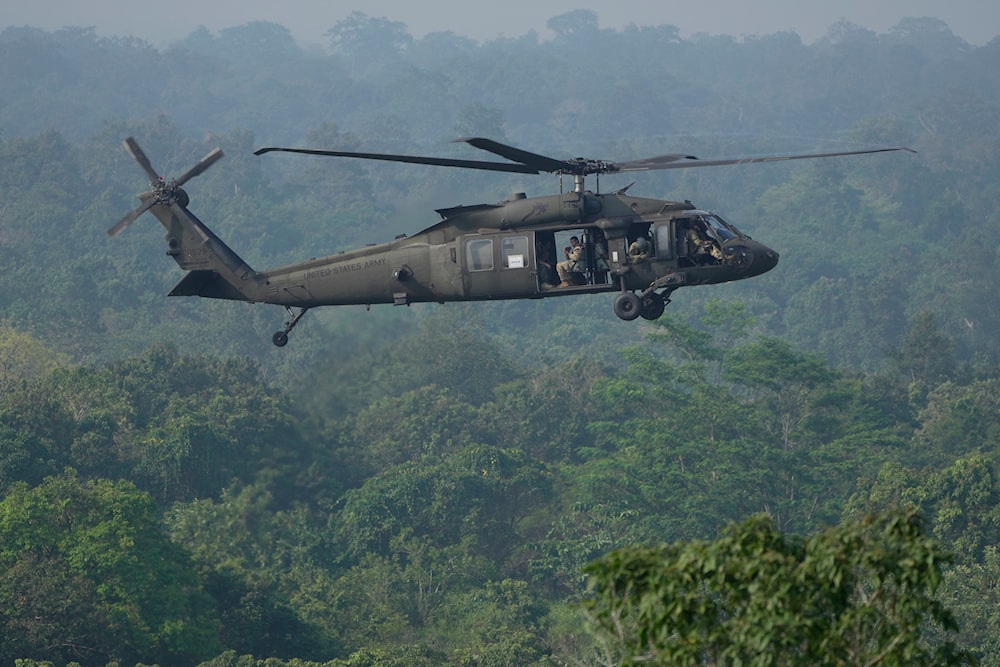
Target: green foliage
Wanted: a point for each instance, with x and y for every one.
(499, 624)
(774, 365)
(450, 505)
(424, 423)
(926, 356)
(89, 576)
(959, 419)
(969, 589)
(546, 415)
(23, 358)
(480, 492)
(243, 548)
(962, 503)
(441, 353)
(860, 593)
(33, 428)
(179, 426)
(462, 525)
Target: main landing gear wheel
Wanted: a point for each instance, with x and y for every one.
(653, 306)
(628, 306)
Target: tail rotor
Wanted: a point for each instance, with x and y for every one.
(160, 191)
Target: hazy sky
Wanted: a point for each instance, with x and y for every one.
(976, 21)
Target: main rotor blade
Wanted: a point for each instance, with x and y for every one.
(526, 162)
(539, 162)
(653, 164)
(411, 159)
(130, 217)
(132, 146)
(211, 158)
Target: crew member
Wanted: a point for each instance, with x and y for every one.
(640, 250)
(566, 268)
(700, 247)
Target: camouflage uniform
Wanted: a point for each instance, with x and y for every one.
(700, 248)
(640, 249)
(566, 269)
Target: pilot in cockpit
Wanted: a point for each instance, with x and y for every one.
(701, 248)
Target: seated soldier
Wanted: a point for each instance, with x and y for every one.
(600, 252)
(567, 268)
(640, 250)
(700, 247)
(545, 257)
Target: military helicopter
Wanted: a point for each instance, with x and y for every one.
(642, 249)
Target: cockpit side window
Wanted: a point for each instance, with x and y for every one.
(702, 240)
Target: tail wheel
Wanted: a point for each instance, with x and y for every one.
(653, 306)
(280, 338)
(628, 306)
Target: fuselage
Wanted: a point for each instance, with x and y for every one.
(497, 251)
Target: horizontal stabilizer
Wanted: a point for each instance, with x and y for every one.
(206, 283)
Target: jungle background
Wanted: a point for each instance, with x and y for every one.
(425, 485)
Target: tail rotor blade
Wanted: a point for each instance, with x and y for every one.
(160, 191)
(213, 156)
(132, 146)
(130, 218)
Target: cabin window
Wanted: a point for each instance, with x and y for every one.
(515, 252)
(479, 254)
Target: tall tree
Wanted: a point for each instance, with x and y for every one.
(925, 356)
(23, 357)
(90, 577)
(861, 593)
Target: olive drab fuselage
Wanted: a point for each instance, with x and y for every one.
(489, 251)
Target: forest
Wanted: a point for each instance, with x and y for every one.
(798, 468)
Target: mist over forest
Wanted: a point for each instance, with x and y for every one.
(425, 485)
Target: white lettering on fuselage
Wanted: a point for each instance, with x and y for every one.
(346, 268)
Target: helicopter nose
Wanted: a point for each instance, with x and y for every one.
(748, 257)
(765, 259)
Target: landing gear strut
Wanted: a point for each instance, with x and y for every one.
(649, 305)
(280, 338)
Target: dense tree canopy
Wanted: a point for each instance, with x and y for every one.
(89, 576)
(858, 594)
(430, 526)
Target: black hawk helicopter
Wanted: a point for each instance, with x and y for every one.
(641, 248)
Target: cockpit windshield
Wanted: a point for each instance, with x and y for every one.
(713, 225)
(722, 229)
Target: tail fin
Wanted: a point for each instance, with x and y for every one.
(215, 270)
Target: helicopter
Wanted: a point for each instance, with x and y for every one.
(642, 249)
